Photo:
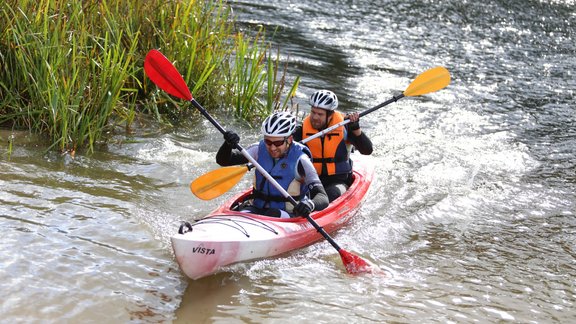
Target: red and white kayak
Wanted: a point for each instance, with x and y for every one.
(226, 236)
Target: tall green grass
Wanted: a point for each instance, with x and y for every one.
(64, 77)
(257, 84)
(73, 69)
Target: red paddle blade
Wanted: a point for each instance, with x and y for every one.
(165, 75)
(354, 264)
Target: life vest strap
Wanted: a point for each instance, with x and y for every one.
(329, 160)
(329, 135)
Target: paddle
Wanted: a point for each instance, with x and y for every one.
(428, 81)
(216, 182)
(166, 77)
(219, 182)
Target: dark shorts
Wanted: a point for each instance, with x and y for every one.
(335, 190)
(336, 185)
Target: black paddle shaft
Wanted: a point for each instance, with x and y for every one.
(387, 102)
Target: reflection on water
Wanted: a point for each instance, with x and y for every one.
(471, 210)
(203, 297)
(72, 245)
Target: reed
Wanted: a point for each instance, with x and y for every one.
(72, 70)
(69, 69)
(276, 84)
(249, 77)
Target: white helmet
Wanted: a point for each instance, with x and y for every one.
(324, 99)
(281, 124)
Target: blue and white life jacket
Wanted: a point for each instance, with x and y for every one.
(284, 171)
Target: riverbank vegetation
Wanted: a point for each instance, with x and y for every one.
(73, 70)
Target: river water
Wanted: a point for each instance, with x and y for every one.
(471, 212)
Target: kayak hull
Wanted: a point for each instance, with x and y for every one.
(226, 236)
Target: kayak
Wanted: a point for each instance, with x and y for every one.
(227, 236)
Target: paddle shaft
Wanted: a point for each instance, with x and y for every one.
(385, 103)
(265, 174)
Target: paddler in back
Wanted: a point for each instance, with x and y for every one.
(331, 151)
(287, 161)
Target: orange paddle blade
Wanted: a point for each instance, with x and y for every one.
(428, 81)
(217, 182)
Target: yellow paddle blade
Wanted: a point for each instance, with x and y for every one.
(217, 182)
(428, 81)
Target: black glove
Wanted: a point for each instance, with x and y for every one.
(231, 138)
(354, 126)
(304, 208)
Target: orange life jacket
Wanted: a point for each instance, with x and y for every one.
(330, 152)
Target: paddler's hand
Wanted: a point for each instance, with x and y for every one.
(354, 121)
(304, 208)
(231, 138)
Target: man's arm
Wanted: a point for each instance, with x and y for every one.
(317, 192)
(361, 142)
(356, 136)
(319, 196)
(297, 135)
(226, 156)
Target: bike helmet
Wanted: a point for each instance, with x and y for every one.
(280, 124)
(324, 99)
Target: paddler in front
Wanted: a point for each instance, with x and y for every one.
(288, 162)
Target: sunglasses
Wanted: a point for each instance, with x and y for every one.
(275, 143)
